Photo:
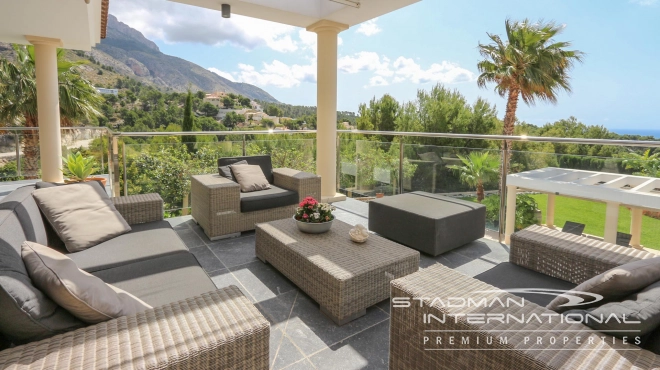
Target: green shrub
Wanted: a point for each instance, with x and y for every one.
(526, 207)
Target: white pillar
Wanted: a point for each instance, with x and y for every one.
(326, 95)
(48, 102)
(510, 225)
(550, 212)
(636, 216)
(611, 222)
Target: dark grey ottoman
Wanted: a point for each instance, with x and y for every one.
(430, 223)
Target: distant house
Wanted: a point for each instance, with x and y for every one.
(215, 99)
(101, 90)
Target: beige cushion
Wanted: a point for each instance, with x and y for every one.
(85, 296)
(82, 215)
(614, 284)
(250, 177)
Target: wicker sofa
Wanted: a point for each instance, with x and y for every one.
(223, 211)
(193, 325)
(538, 254)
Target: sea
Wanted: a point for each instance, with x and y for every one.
(633, 131)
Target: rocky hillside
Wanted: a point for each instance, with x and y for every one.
(126, 52)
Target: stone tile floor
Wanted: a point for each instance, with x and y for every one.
(301, 336)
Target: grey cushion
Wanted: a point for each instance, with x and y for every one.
(33, 225)
(267, 199)
(262, 161)
(45, 184)
(160, 280)
(616, 283)
(26, 314)
(506, 275)
(85, 296)
(225, 171)
(82, 214)
(642, 307)
(430, 223)
(249, 177)
(143, 242)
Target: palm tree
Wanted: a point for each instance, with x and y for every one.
(478, 169)
(529, 64)
(18, 98)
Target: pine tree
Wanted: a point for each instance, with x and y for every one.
(188, 123)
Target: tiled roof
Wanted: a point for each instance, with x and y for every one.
(105, 5)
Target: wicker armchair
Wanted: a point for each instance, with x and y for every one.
(501, 345)
(216, 202)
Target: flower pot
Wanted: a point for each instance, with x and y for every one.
(380, 195)
(313, 228)
(102, 180)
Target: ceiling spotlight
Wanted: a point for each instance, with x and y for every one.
(226, 11)
(353, 3)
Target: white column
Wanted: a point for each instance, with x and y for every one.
(611, 221)
(550, 212)
(510, 226)
(326, 95)
(48, 102)
(636, 216)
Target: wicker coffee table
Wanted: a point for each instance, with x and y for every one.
(342, 276)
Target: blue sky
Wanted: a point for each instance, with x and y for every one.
(426, 43)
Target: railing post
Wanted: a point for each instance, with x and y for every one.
(503, 192)
(115, 166)
(123, 157)
(244, 148)
(338, 169)
(401, 165)
(18, 154)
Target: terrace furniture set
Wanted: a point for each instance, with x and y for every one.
(539, 258)
(192, 325)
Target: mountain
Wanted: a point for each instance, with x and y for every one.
(129, 53)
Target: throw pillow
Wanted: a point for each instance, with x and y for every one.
(82, 215)
(85, 296)
(250, 178)
(636, 316)
(615, 283)
(26, 313)
(225, 171)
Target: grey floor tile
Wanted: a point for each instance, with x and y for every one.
(384, 305)
(200, 232)
(350, 218)
(312, 331)
(224, 278)
(366, 350)
(278, 309)
(485, 249)
(180, 222)
(354, 206)
(235, 252)
(282, 351)
(262, 280)
(207, 259)
(301, 365)
(189, 237)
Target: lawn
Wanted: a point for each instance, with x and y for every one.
(592, 214)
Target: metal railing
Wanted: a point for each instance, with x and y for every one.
(114, 138)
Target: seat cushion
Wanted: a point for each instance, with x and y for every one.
(26, 313)
(85, 296)
(160, 280)
(82, 214)
(267, 199)
(506, 275)
(143, 242)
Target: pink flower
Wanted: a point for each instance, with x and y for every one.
(305, 215)
(310, 207)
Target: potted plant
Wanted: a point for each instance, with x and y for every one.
(78, 168)
(313, 217)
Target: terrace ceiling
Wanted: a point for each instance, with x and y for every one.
(303, 13)
(75, 23)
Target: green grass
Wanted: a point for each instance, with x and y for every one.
(592, 214)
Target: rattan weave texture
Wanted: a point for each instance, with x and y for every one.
(216, 330)
(342, 276)
(141, 208)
